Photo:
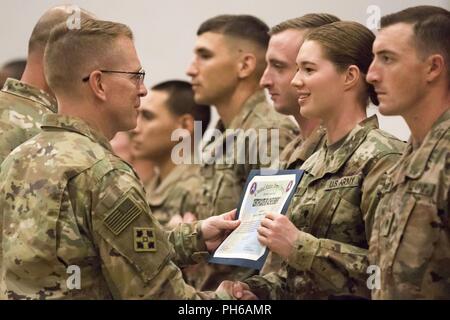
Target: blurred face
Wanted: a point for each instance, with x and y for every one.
(213, 70)
(281, 68)
(151, 138)
(397, 73)
(124, 91)
(318, 83)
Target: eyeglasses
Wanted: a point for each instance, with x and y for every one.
(139, 75)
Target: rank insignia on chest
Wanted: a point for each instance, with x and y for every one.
(144, 240)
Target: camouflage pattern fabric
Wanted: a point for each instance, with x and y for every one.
(410, 240)
(21, 110)
(225, 170)
(333, 208)
(66, 200)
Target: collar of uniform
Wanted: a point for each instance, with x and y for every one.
(26, 91)
(349, 146)
(158, 190)
(306, 148)
(74, 124)
(420, 157)
(248, 108)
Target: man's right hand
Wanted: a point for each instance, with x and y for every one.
(236, 289)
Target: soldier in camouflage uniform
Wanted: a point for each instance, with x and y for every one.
(68, 203)
(233, 46)
(169, 107)
(323, 240)
(410, 243)
(285, 41)
(23, 103)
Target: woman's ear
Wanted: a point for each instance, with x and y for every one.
(246, 65)
(351, 77)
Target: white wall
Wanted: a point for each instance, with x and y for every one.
(165, 30)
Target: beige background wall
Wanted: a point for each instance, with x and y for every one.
(165, 30)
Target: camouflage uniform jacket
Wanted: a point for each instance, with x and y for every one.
(66, 200)
(300, 149)
(293, 157)
(225, 169)
(333, 209)
(175, 194)
(410, 240)
(21, 111)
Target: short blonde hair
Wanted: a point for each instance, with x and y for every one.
(71, 53)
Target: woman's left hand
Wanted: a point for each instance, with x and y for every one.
(278, 233)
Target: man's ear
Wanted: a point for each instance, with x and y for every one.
(351, 77)
(186, 121)
(97, 85)
(435, 66)
(246, 65)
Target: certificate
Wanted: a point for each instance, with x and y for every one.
(262, 194)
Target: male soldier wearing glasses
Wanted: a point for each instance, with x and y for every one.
(68, 203)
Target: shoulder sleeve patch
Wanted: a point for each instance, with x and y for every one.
(124, 213)
(144, 240)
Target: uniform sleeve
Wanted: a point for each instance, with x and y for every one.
(271, 286)
(134, 250)
(188, 243)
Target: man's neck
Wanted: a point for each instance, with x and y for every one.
(88, 112)
(33, 74)
(165, 167)
(424, 114)
(229, 107)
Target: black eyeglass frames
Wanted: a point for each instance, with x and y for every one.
(140, 75)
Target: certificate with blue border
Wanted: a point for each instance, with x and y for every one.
(265, 191)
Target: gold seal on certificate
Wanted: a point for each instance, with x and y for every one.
(262, 194)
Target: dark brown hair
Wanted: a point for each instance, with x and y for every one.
(181, 101)
(245, 27)
(431, 26)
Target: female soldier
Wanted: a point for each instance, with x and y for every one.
(323, 240)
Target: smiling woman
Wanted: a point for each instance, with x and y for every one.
(323, 238)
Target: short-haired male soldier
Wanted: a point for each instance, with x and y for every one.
(228, 64)
(23, 103)
(169, 107)
(410, 241)
(69, 206)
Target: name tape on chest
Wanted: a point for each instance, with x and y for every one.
(344, 182)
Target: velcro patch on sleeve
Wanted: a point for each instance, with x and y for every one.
(123, 214)
(144, 240)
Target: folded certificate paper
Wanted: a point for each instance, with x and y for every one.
(262, 194)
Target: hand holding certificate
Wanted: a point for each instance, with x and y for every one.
(262, 194)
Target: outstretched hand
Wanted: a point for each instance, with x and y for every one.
(216, 228)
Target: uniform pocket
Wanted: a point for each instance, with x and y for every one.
(415, 239)
(393, 226)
